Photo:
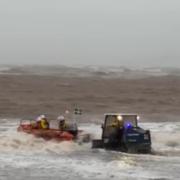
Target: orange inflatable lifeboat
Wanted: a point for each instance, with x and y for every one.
(48, 134)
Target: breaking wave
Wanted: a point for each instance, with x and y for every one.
(23, 153)
(13, 141)
(165, 139)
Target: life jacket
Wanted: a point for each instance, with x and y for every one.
(43, 124)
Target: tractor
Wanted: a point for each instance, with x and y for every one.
(120, 132)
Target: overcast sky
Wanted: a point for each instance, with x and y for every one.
(96, 32)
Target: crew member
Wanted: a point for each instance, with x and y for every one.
(42, 122)
(117, 122)
(116, 129)
(62, 123)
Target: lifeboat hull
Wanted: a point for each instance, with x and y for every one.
(47, 134)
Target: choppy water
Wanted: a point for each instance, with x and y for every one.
(24, 157)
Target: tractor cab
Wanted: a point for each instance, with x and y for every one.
(121, 132)
(114, 122)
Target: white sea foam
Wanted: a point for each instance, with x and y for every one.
(165, 137)
(89, 71)
(69, 160)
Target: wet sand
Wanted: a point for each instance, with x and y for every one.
(26, 96)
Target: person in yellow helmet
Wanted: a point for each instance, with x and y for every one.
(42, 122)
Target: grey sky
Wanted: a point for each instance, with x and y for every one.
(113, 32)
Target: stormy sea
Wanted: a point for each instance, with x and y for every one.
(22, 156)
(28, 91)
